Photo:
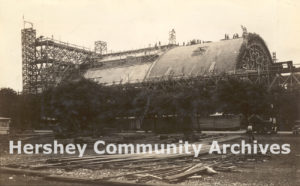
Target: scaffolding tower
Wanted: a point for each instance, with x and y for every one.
(100, 47)
(46, 62)
(29, 67)
(172, 37)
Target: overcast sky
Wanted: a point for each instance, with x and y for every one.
(130, 24)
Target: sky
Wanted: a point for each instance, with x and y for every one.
(131, 24)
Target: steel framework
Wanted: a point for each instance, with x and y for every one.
(29, 68)
(100, 47)
(172, 37)
(282, 74)
(47, 61)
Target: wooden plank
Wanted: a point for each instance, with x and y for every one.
(48, 176)
(185, 174)
(141, 172)
(91, 181)
(104, 159)
(23, 171)
(189, 172)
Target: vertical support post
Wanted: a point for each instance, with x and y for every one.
(29, 68)
(100, 47)
(172, 37)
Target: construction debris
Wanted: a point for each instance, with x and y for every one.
(139, 168)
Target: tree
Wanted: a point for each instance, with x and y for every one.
(286, 106)
(27, 112)
(237, 96)
(75, 105)
(8, 100)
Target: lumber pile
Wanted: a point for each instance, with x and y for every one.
(144, 168)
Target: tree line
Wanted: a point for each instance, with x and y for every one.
(85, 105)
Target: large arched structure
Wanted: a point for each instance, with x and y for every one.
(214, 58)
(231, 56)
(47, 62)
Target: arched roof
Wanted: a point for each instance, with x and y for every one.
(214, 58)
(225, 56)
(198, 59)
(119, 75)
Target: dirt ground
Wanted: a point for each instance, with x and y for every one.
(281, 170)
(274, 170)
